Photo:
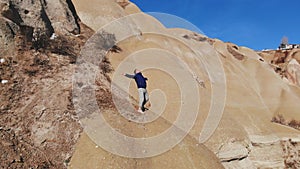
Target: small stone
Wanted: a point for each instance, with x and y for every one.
(4, 81)
(18, 158)
(2, 60)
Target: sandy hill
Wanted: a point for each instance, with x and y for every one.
(67, 105)
(214, 72)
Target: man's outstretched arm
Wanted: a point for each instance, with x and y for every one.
(128, 75)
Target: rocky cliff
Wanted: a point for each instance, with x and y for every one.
(39, 43)
(285, 63)
(34, 20)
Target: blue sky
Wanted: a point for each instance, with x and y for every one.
(258, 24)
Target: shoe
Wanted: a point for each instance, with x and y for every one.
(145, 109)
(141, 111)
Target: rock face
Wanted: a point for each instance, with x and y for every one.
(56, 16)
(231, 152)
(6, 35)
(286, 63)
(36, 19)
(38, 125)
(62, 16)
(97, 13)
(293, 72)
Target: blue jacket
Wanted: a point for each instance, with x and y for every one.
(140, 80)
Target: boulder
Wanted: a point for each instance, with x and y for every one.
(293, 72)
(6, 35)
(62, 15)
(232, 151)
(46, 17)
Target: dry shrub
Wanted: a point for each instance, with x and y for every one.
(281, 120)
(61, 45)
(106, 66)
(66, 46)
(295, 124)
(116, 49)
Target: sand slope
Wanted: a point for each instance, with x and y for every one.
(204, 74)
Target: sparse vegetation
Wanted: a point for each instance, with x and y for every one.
(106, 66)
(40, 39)
(196, 37)
(123, 3)
(278, 119)
(295, 124)
(115, 49)
(281, 120)
(31, 72)
(291, 154)
(62, 46)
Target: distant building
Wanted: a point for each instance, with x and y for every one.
(288, 46)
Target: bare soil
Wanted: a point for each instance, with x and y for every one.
(37, 117)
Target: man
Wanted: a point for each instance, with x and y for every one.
(141, 85)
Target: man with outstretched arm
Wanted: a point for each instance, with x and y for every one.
(141, 85)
